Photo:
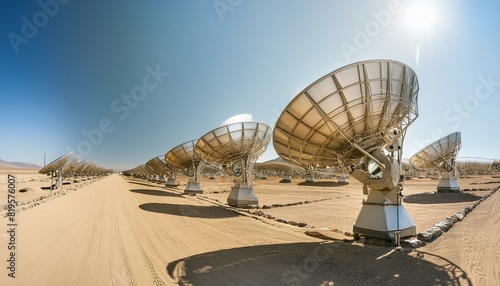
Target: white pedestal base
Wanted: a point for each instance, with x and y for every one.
(383, 221)
(242, 196)
(448, 184)
(171, 182)
(310, 179)
(286, 179)
(343, 180)
(59, 182)
(193, 188)
(162, 179)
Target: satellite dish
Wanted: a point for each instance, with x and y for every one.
(154, 173)
(236, 147)
(70, 167)
(159, 167)
(140, 172)
(351, 118)
(55, 170)
(81, 166)
(184, 159)
(69, 170)
(79, 170)
(441, 156)
(55, 165)
(84, 171)
(89, 171)
(473, 165)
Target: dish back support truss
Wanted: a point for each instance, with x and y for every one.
(351, 117)
(236, 147)
(441, 156)
(183, 158)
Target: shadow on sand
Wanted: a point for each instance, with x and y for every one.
(188, 210)
(328, 263)
(154, 193)
(27, 189)
(147, 185)
(440, 198)
(322, 184)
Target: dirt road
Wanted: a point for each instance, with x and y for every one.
(474, 245)
(119, 232)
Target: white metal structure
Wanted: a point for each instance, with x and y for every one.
(140, 171)
(356, 118)
(160, 168)
(473, 165)
(183, 158)
(236, 146)
(441, 156)
(55, 170)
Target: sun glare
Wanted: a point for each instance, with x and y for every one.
(422, 15)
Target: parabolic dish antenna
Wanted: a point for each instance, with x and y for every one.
(184, 159)
(89, 171)
(440, 156)
(236, 147)
(56, 165)
(350, 118)
(55, 169)
(80, 169)
(474, 165)
(70, 167)
(142, 171)
(138, 172)
(160, 167)
(154, 174)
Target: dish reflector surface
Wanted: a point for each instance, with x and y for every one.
(232, 141)
(81, 167)
(474, 163)
(183, 157)
(158, 165)
(71, 166)
(56, 164)
(360, 104)
(436, 155)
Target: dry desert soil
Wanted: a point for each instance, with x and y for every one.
(122, 231)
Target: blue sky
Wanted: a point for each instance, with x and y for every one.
(70, 68)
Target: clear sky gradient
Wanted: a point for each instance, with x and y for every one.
(69, 69)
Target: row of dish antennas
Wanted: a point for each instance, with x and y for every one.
(439, 160)
(466, 166)
(353, 118)
(233, 148)
(477, 166)
(72, 170)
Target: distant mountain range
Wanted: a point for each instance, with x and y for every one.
(5, 164)
(278, 159)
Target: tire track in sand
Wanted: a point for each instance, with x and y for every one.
(123, 253)
(481, 255)
(125, 259)
(154, 275)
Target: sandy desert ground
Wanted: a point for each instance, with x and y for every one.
(119, 231)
